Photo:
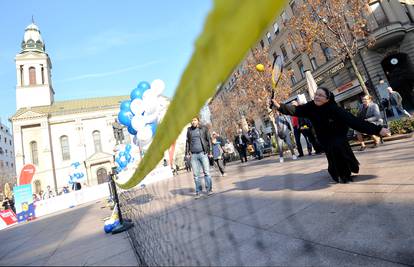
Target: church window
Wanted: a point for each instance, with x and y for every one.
(64, 144)
(32, 76)
(21, 75)
(43, 74)
(97, 141)
(33, 151)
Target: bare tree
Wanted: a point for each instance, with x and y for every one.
(340, 25)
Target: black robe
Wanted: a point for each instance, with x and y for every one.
(331, 124)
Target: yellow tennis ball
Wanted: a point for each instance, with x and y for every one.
(260, 67)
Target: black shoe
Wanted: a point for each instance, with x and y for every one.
(301, 155)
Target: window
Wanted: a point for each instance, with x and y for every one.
(21, 75)
(336, 80)
(351, 73)
(327, 51)
(64, 145)
(292, 77)
(378, 13)
(276, 28)
(293, 6)
(10, 142)
(97, 141)
(284, 17)
(1, 151)
(12, 165)
(292, 44)
(284, 53)
(7, 163)
(32, 76)
(6, 152)
(5, 140)
(314, 63)
(43, 74)
(262, 43)
(407, 12)
(33, 153)
(301, 69)
(269, 37)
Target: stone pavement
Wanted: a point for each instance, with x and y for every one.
(72, 237)
(285, 214)
(262, 213)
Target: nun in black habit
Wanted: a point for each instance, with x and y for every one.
(331, 124)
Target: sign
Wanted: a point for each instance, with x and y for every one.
(346, 86)
(26, 174)
(330, 72)
(23, 201)
(7, 218)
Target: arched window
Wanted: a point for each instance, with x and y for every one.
(64, 145)
(32, 76)
(33, 153)
(97, 141)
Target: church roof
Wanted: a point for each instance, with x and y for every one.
(73, 106)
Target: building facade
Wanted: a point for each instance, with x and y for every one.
(391, 57)
(54, 134)
(7, 164)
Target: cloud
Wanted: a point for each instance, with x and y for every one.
(109, 73)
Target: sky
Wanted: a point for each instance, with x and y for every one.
(101, 48)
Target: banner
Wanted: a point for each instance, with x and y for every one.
(7, 218)
(26, 174)
(23, 201)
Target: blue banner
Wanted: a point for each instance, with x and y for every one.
(23, 201)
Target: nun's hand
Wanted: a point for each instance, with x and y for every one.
(275, 103)
(385, 132)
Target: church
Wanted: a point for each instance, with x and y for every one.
(54, 134)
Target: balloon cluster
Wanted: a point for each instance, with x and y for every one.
(76, 174)
(143, 112)
(112, 222)
(123, 158)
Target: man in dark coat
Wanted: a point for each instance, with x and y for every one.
(241, 142)
(199, 149)
(331, 124)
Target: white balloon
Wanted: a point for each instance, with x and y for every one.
(158, 86)
(137, 106)
(151, 105)
(145, 135)
(149, 94)
(150, 117)
(138, 123)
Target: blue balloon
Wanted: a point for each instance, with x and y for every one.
(128, 157)
(125, 105)
(131, 131)
(144, 85)
(153, 127)
(137, 93)
(128, 147)
(108, 228)
(125, 117)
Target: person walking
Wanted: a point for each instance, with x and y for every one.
(241, 142)
(331, 124)
(198, 149)
(369, 111)
(254, 136)
(297, 133)
(218, 152)
(284, 131)
(396, 103)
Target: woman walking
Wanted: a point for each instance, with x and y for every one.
(218, 152)
(331, 124)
